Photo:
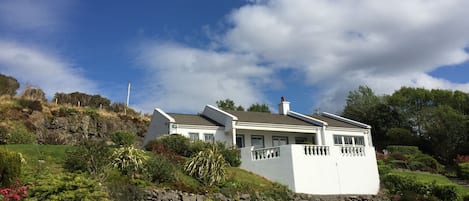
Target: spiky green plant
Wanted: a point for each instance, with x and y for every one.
(208, 166)
(129, 160)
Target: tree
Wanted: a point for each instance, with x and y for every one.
(445, 131)
(8, 85)
(33, 93)
(259, 108)
(228, 104)
(360, 103)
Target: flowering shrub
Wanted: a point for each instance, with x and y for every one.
(461, 158)
(15, 192)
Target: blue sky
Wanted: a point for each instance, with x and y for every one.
(180, 55)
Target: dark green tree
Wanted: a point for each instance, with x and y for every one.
(445, 131)
(8, 85)
(228, 104)
(259, 108)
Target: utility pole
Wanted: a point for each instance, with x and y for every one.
(128, 97)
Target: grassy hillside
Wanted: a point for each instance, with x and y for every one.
(49, 159)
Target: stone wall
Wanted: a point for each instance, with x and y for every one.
(172, 195)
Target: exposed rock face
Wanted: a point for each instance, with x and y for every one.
(67, 125)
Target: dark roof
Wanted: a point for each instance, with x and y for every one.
(264, 117)
(193, 119)
(333, 122)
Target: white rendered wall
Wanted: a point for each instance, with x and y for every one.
(277, 169)
(159, 126)
(218, 132)
(318, 174)
(335, 174)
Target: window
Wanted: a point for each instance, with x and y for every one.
(349, 140)
(337, 139)
(194, 136)
(209, 137)
(240, 141)
(257, 141)
(359, 141)
(279, 140)
(301, 140)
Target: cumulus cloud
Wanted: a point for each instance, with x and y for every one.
(341, 44)
(38, 67)
(181, 78)
(334, 45)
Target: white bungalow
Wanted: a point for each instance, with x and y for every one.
(317, 154)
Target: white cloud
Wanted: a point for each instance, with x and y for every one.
(334, 45)
(38, 67)
(31, 15)
(185, 79)
(341, 44)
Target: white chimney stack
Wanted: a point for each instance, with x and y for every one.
(284, 106)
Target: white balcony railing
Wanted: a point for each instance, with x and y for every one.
(352, 151)
(309, 151)
(265, 153)
(315, 150)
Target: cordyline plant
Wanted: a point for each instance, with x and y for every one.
(15, 192)
(129, 160)
(208, 166)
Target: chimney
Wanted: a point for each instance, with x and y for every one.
(284, 106)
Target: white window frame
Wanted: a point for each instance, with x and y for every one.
(192, 134)
(258, 137)
(348, 140)
(211, 137)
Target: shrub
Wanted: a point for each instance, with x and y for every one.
(90, 156)
(67, 186)
(10, 167)
(19, 134)
(424, 162)
(463, 170)
(177, 144)
(159, 169)
(405, 185)
(158, 148)
(231, 155)
(33, 93)
(383, 168)
(123, 138)
(34, 105)
(207, 166)
(405, 150)
(14, 192)
(461, 158)
(129, 160)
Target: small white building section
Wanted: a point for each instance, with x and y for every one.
(315, 154)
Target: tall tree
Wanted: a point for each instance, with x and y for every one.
(259, 108)
(8, 85)
(445, 131)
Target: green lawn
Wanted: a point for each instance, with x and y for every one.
(40, 159)
(429, 178)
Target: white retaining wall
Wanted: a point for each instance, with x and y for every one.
(323, 170)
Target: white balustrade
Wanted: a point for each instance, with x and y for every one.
(315, 150)
(266, 153)
(352, 151)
